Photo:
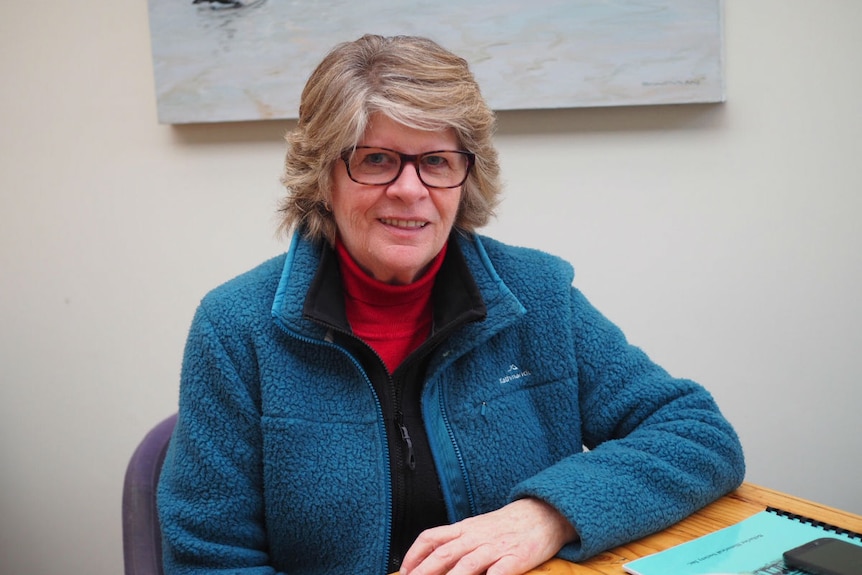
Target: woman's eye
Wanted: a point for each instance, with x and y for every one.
(434, 161)
(376, 159)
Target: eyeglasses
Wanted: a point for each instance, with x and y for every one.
(381, 166)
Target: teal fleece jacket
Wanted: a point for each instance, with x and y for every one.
(279, 460)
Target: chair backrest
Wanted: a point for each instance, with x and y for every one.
(142, 536)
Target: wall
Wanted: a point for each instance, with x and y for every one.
(723, 239)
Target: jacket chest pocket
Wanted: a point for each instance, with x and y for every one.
(514, 431)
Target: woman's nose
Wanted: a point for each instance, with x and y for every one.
(408, 186)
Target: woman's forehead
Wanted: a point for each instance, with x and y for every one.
(382, 131)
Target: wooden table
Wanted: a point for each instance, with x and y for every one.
(742, 503)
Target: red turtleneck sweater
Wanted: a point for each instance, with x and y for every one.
(393, 319)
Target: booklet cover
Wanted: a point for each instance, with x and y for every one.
(754, 546)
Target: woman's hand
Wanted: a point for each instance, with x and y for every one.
(509, 541)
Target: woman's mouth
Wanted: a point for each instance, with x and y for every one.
(404, 224)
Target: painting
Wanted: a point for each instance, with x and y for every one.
(237, 60)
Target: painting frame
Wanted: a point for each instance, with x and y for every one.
(245, 60)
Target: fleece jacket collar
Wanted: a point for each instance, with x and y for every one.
(475, 281)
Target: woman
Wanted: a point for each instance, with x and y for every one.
(400, 393)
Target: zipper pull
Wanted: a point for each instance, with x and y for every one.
(411, 458)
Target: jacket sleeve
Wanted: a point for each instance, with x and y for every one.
(657, 447)
(210, 495)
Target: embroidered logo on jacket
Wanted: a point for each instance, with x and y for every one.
(514, 372)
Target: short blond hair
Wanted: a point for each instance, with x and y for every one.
(413, 81)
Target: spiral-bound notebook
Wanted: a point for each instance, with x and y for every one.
(754, 546)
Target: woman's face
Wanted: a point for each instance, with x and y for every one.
(393, 231)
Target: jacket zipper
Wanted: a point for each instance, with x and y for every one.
(444, 416)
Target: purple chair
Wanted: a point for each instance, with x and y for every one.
(142, 536)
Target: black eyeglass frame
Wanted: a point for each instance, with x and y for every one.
(412, 159)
